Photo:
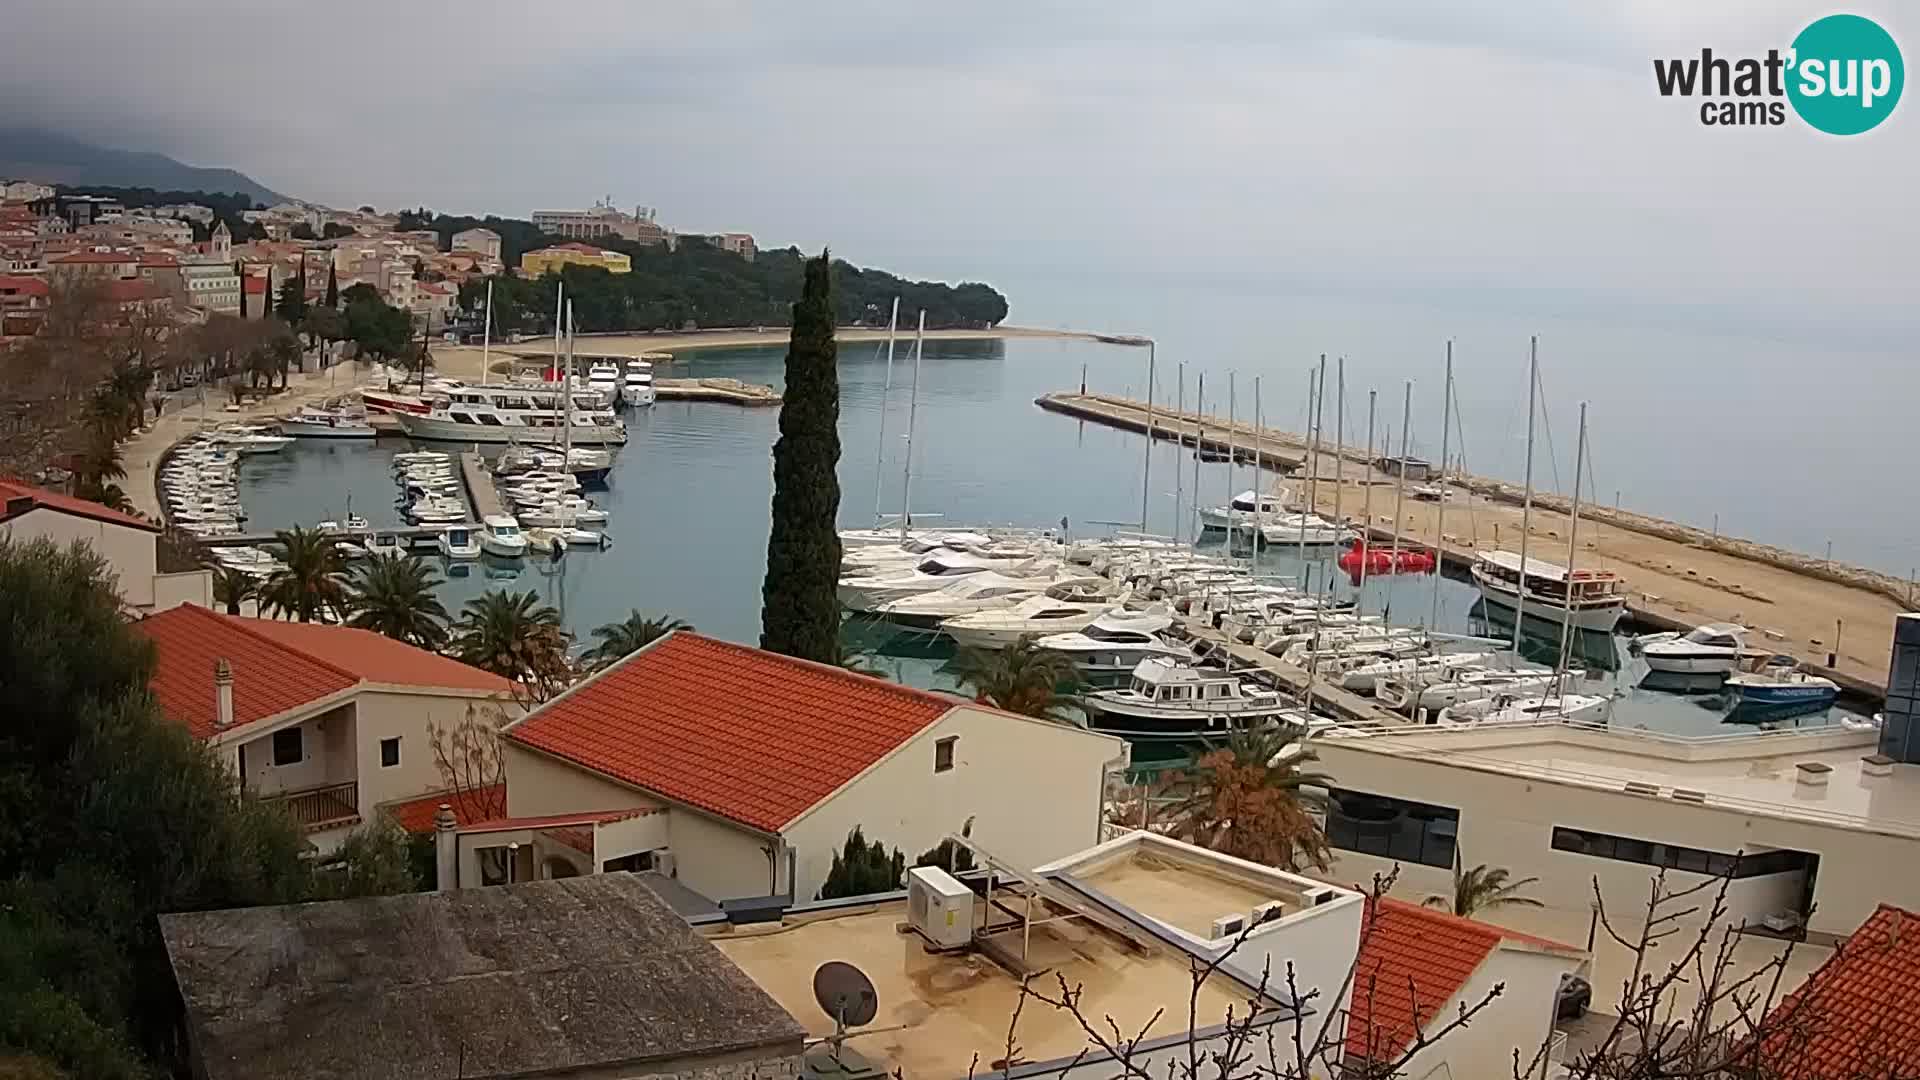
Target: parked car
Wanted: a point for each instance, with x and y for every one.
(1570, 1002)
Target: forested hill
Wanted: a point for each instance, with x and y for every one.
(701, 285)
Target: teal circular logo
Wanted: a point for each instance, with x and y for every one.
(1845, 74)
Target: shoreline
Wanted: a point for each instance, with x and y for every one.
(628, 343)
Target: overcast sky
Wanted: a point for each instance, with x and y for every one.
(1513, 144)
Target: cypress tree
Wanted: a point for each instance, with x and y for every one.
(333, 287)
(240, 271)
(800, 609)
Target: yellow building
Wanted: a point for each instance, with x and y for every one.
(536, 263)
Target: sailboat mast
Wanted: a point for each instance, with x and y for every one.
(1233, 472)
(1146, 463)
(1199, 431)
(1259, 491)
(1180, 439)
(880, 450)
(566, 396)
(1440, 519)
(1366, 505)
(913, 409)
(1573, 550)
(1526, 505)
(1399, 491)
(1339, 450)
(559, 322)
(486, 334)
(1306, 510)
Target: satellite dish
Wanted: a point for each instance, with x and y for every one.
(846, 994)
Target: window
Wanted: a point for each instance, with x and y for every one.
(493, 865)
(1676, 857)
(638, 862)
(288, 747)
(1391, 828)
(943, 753)
(389, 752)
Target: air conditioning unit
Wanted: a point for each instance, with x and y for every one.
(1314, 897)
(663, 862)
(939, 908)
(1270, 911)
(1227, 926)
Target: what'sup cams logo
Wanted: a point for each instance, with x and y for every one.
(1842, 75)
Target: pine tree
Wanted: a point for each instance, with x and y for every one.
(800, 610)
(333, 288)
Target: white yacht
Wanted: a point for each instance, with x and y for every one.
(249, 439)
(1245, 511)
(636, 384)
(515, 412)
(1175, 700)
(603, 377)
(311, 423)
(1589, 599)
(1309, 529)
(1503, 709)
(1711, 649)
(1365, 679)
(561, 514)
(977, 593)
(1116, 642)
(1424, 691)
(385, 546)
(458, 542)
(1035, 617)
(866, 593)
(500, 535)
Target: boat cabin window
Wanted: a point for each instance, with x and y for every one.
(489, 420)
(1102, 633)
(1056, 613)
(461, 418)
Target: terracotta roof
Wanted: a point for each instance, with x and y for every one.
(156, 259)
(24, 286)
(42, 499)
(750, 736)
(1859, 1014)
(548, 821)
(94, 257)
(254, 285)
(416, 815)
(1412, 960)
(279, 666)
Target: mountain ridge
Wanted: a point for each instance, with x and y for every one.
(51, 158)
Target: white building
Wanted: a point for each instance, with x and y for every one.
(24, 191)
(211, 287)
(330, 720)
(741, 772)
(1807, 822)
(129, 544)
(481, 241)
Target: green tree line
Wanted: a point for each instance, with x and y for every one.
(226, 206)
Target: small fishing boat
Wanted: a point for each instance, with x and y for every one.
(458, 542)
(1178, 700)
(1533, 710)
(312, 423)
(1365, 679)
(384, 546)
(1426, 691)
(1589, 599)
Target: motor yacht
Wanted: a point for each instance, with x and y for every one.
(975, 593)
(1115, 642)
(1714, 648)
(458, 542)
(1174, 700)
(1589, 599)
(311, 423)
(1061, 609)
(500, 535)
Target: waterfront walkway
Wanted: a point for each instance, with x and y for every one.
(1680, 576)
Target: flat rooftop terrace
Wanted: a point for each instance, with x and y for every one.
(938, 1011)
(1179, 896)
(1754, 774)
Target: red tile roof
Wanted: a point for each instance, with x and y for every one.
(94, 257)
(254, 285)
(751, 736)
(1412, 960)
(548, 821)
(279, 666)
(23, 286)
(1859, 1015)
(42, 499)
(416, 815)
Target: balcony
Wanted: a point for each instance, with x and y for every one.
(323, 807)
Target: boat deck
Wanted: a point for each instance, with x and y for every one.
(1328, 696)
(1679, 576)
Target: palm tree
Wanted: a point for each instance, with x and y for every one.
(314, 581)
(395, 597)
(1253, 798)
(1020, 678)
(1482, 887)
(100, 462)
(618, 640)
(515, 636)
(233, 588)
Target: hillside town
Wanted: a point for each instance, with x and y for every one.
(182, 259)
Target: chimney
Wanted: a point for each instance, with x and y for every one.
(1812, 774)
(446, 849)
(1876, 765)
(222, 694)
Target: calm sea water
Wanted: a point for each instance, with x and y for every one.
(689, 496)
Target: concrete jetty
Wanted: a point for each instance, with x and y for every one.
(1329, 698)
(1679, 576)
(482, 496)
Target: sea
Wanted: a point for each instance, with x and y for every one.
(688, 498)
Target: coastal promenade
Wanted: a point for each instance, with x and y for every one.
(1679, 575)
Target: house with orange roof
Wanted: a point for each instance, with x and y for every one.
(129, 544)
(335, 722)
(1418, 967)
(750, 768)
(1858, 1016)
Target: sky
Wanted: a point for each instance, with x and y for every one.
(1509, 147)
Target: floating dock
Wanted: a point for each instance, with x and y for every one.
(1835, 620)
(725, 391)
(1330, 698)
(482, 496)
